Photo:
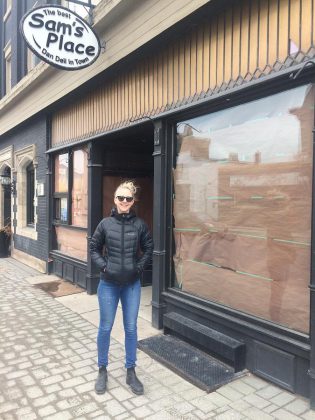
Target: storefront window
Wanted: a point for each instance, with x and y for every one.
(61, 187)
(61, 173)
(79, 189)
(242, 207)
(71, 242)
(71, 203)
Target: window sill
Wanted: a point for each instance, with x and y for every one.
(27, 232)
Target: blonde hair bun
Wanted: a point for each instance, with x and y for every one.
(129, 185)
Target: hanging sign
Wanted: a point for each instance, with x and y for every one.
(60, 37)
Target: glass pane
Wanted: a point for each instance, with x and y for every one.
(242, 207)
(72, 242)
(61, 173)
(79, 189)
(63, 209)
(30, 193)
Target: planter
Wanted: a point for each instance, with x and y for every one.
(4, 244)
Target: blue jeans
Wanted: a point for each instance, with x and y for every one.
(108, 297)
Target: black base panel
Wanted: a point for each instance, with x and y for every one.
(195, 366)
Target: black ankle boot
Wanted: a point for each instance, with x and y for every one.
(132, 380)
(101, 381)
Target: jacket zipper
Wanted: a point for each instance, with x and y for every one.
(123, 244)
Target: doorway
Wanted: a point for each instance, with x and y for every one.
(131, 158)
(5, 227)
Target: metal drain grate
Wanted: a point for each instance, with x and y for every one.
(195, 366)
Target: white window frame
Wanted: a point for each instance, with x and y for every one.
(7, 10)
(6, 159)
(8, 71)
(22, 158)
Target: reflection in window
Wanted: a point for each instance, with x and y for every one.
(61, 188)
(71, 242)
(79, 189)
(71, 203)
(61, 173)
(242, 207)
(61, 209)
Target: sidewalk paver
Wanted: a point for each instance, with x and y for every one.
(48, 367)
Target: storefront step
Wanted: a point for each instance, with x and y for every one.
(226, 348)
(197, 367)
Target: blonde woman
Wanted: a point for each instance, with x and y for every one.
(121, 234)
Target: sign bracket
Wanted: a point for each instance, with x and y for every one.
(86, 4)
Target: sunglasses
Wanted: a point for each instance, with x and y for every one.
(121, 198)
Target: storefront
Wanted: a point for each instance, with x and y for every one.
(212, 122)
(242, 214)
(98, 167)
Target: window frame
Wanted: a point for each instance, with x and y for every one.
(58, 196)
(8, 8)
(30, 195)
(173, 124)
(8, 67)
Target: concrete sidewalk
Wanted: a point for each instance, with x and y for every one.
(48, 366)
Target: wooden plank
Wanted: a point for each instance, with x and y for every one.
(103, 108)
(273, 37)
(294, 29)
(253, 38)
(236, 62)
(146, 107)
(170, 75)
(133, 93)
(263, 34)
(244, 38)
(119, 104)
(107, 107)
(306, 24)
(151, 85)
(200, 57)
(193, 63)
(220, 52)
(181, 79)
(206, 58)
(187, 65)
(176, 73)
(164, 78)
(228, 46)
(155, 80)
(283, 30)
(159, 81)
(213, 53)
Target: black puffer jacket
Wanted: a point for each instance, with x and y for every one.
(122, 235)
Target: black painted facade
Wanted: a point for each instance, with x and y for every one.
(280, 355)
(32, 132)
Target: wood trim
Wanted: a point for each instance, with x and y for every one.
(238, 45)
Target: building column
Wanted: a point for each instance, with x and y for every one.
(95, 196)
(312, 293)
(49, 210)
(160, 222)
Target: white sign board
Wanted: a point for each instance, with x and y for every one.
(60, 37)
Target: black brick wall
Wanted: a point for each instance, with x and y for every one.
(32, 132)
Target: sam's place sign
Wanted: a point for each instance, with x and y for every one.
(60, 37)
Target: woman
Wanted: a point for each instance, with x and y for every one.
(121, 235)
